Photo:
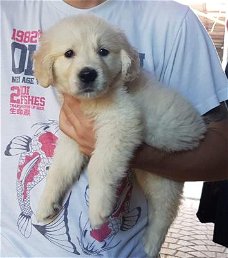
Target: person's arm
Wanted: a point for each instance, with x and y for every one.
(209, 162)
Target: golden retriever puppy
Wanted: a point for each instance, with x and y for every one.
(88, 58)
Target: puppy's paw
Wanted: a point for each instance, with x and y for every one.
(46, 212)
(101, 203)
(99, 211)
(98, 217)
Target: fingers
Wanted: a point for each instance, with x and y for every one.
(71, 115)
(66, 126)
(76, 125)
(72, 104)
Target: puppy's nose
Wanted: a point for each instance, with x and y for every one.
(87, 75)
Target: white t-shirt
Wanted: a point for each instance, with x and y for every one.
(172, 45)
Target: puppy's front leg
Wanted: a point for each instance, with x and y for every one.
(66, 167)
(106, 169)
(103, 181)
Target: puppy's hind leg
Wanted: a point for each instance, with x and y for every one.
(65, 169)
(163, 197)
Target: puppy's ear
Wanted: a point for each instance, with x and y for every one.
(130, 64)
(43, 65)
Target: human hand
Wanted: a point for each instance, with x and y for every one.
(75, 124)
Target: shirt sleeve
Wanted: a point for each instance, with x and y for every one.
(193, 66)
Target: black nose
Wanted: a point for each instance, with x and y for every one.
(87, 75)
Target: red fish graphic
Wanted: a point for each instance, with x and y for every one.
(35, 155)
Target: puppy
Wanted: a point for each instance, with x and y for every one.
(86, 57)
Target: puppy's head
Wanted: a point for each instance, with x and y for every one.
(84, 56)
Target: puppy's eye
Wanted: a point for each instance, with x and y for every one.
(69, 53)
(103, 52)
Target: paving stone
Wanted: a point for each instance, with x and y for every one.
(208, 242)
(189, 228)
(166, 245)
(184, 243)
(188, 238)
(220, 255)
(198, 254)
(201, 236)
(171, 240)
(185, 249)
(174, 230)
(216, 248)
(186, 233)
(174, 246)
(210, 254)
(200, 227)
(200, 248)
(175, 235)
(187, 225)
(168, 251)
(183, 255)
(177, 226)
(198, 242)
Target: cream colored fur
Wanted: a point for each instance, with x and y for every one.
(128, 107)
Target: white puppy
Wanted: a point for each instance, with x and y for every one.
(86, 57)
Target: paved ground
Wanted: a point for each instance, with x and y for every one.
(189, 238)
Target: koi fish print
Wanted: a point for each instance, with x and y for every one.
(35, 154)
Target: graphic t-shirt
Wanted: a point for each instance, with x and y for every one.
(162, 32)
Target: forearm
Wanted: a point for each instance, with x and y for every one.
(208, 162)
